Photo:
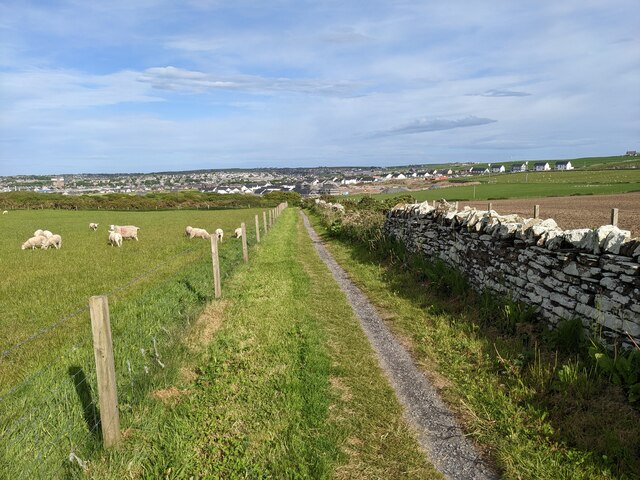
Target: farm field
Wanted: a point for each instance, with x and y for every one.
(589, 211)
(40, 288)
(156, 288)
(535, 185)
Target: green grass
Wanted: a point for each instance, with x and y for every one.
(288, 388)
(278, 392)
(538, 415)
(533, 185)
(40, 287)
(47, 402)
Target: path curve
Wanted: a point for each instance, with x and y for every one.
(438, 432)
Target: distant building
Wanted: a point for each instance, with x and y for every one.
(498, 169)
(57, 182)
(631, 153)
(564, 166)
(541, 166)
(479, 170)
(329, 188)
(519, 167)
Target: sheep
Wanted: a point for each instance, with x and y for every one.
(5, 212)
(199, 233)
(238, 232)
(47, 233)
(127, 231)
(93, 226)
(219, 234)
(34, 242)
(115, 239)
(187, 231)
(55, 240)
(37, 233)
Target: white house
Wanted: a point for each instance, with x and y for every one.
(479, 170)
(541, 166)
(519, 167)
(564, 166)
(497, 169)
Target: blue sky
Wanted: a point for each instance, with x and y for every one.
(151, 85)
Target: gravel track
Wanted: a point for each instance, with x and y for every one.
(438, 432)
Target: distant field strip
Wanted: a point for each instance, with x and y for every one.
(533, 185)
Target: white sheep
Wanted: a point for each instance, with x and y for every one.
(220, 234)
(199, 233)
(187, 231)
(93, 226)
(34, 242)
(55, 240)
(115, 239)
(238, 232)
(47, 233)
(5, 212)
(127, 231)
(37, 233)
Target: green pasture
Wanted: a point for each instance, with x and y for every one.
(155, 287)
(533, 185)
(40, 288)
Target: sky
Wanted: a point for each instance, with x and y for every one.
(154, 85)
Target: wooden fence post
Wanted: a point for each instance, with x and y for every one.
(489, 207)
(245, 251)
(257, 229)
(216, 266)
(264, 221)
(270, 218)
(105, 370)
(536, 211)
(614, 217)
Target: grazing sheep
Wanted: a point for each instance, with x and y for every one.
(187, 231)
(93, 226)
(127, 231)
(199, 233)
(47, 233)
(238, 232)
(55, 240)
(37, 233)
(5, 212)
(115, 239)
(34, 242)
(219, 234)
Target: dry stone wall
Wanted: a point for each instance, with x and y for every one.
(593, 275)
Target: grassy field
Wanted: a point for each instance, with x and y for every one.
(265, 383)
(156, 288)
(532, 185)
(39, 288)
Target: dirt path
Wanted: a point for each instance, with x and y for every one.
(438, 432)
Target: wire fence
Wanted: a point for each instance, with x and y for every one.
(50, 425)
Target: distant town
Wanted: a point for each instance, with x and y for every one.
(306, 181)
